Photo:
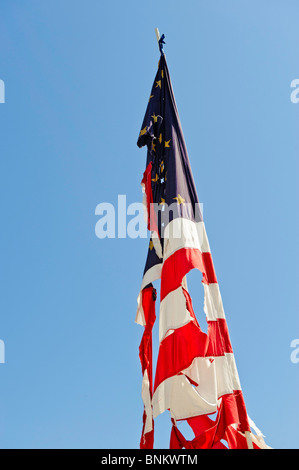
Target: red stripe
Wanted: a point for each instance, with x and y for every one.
(151, 215)
(178, 350)
(208, 433)
(145, 348)
(180, 263)
(189, 306)
(236, 440)
(147, 439)
(145, 355)
(219, 342)
(244, 424)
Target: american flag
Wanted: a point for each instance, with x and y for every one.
(196, 378)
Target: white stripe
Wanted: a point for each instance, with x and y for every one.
(157, 244)
(213, 307)
(203, 372)
(227, 375)
(151, 275)
(259, 441)
(140, 313)
(184, 233)
(214, 373)
(144, 202)
(233, 370)
(215, 376)
(145, 393)
(177, 394)
(257, 431)
(173, 312)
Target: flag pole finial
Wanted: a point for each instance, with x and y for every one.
(160, 40)
(157, 34)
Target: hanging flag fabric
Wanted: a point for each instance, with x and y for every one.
(196, 378)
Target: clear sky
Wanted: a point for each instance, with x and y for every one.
(77, 79)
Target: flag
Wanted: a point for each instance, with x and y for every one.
(196, 377)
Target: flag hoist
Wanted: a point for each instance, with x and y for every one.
(196, 378)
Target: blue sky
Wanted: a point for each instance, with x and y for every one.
(77, 79)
